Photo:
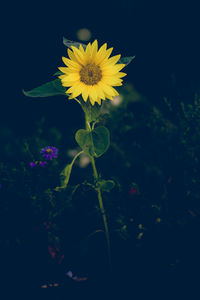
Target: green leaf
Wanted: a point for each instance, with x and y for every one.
(106, 185)
(101, 140)
(126, 60)
(58, 73)
(92, 111)
(69, 43)
(65, 175)
(84, 139)
(51, 88)
(95, 142)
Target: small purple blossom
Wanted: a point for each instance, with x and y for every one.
(49, 152)
(38, 163)
(32, 164)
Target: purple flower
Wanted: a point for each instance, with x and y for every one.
(42, 163)
(38, 163)
(32, 164)
(49, 152)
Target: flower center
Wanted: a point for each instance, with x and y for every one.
(90, 74)
(49, 151)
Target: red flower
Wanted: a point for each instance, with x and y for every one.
(52, 252)
(133, 191)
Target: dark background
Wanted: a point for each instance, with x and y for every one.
(164, 37)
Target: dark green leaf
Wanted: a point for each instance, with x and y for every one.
(84, 139)
(101, 140)
(106, 185)
(94, 142)
(69, 43)
(58, 73)
(51, 88)
(126, 60)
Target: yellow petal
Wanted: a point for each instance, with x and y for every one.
(108, 53)
(109, 97)
(81, 49)
(98, 100)
(70, 97)
(101, 53)
(94, 49)
(93, 93)
(71, 63)
(121, 74)
(72, 77)
(88, 50)
(70, 90)
(112, 80)
(106, 88)
(111, 61)
(62, 76)
(116, 92)
(85, 93)
(91, 100)
(79, 56)
(105, 56)
(112, 70)
(69, 83)
(100, 92)
(71, 55)
(64, 70)
(77, 90)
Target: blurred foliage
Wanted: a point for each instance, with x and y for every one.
(154, 161)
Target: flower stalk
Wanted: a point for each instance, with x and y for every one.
(99, 195)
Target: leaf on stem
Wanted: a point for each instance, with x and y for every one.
(70, 43)
(95, 142)
(51, 88)
(126, 60)
(105, 185)
(64, 176)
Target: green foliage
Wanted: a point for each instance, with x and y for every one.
(105, 185)
(92, 111)
(70, 43)
(51, 88)
(65, 175)
(58, 73)
(126, 60)
(95, 142)
(55, 87)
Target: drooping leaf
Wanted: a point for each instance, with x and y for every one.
(64, 175)
(70, 43)
(51, 88)
(95, 142)
(126, 60)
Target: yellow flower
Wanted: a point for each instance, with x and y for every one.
(91, 73)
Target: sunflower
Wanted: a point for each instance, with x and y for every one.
(91, 73)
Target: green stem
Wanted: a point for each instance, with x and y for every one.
(95, 173)
(75, 157)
